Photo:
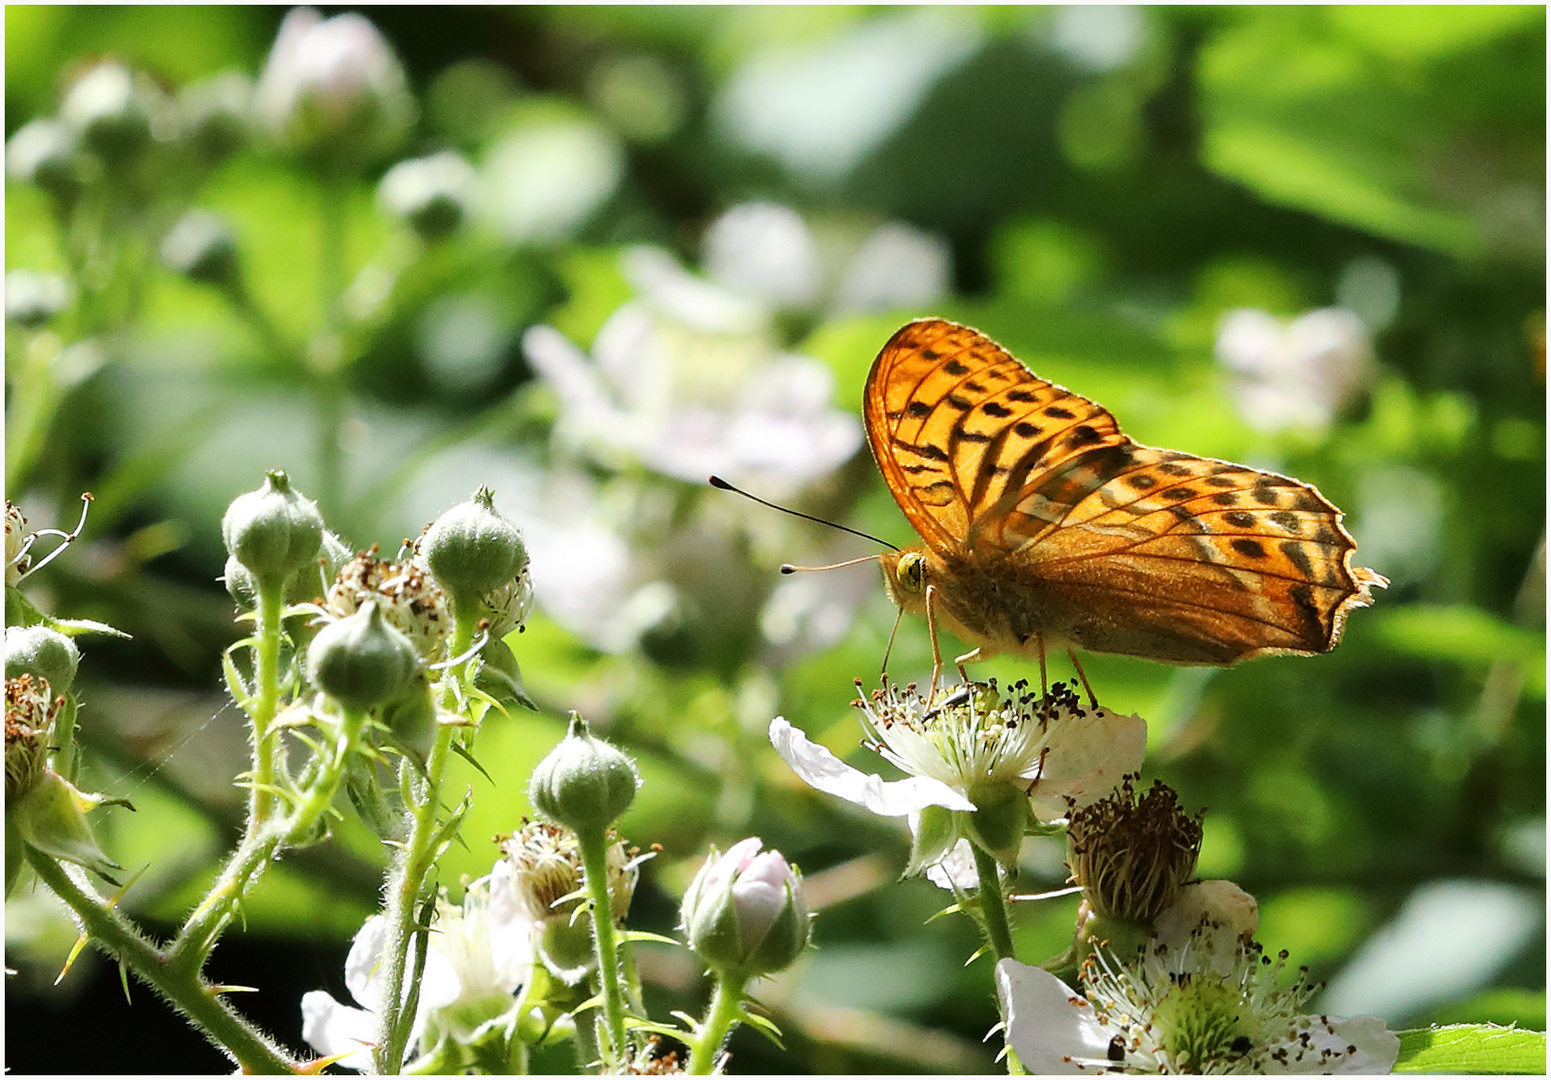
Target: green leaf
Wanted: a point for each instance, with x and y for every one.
(1458, 632)
(1471, 1048)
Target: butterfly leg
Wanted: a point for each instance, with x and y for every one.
(1092, 700)
(931, 626)
(1044, 684)
(889, 649)
(960, 661)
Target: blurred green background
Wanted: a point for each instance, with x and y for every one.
(1308, 239)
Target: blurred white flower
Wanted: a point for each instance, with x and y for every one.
(334, 87)
(1296, 374)
(685, 381)
(764, 250)
(478, 954)
(433, 194)
(547, 175)
(897, 266)
(1211, 1006)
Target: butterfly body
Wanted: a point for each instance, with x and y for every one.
(1043, 525)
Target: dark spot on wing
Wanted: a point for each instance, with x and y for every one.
(961, 404)
(919, 409)
(1226, 498)
(1141, 481)
(1025, 430)
(931, 354)
(1250, 548)
(1240, 519)
(1082, 435)
(1299, 558)
(995, 408)
(1287, 520)
(1221, 481)
(1058, 413)
(1022, 395)
(974, 437)
(1180, 493)
(973, 387)
(1173, 469)
(953, 367)
(930, 452)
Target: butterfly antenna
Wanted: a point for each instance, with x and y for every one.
(718, 482)
(788, 568)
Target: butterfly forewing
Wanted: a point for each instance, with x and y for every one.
(960, 427)
(1112, 545)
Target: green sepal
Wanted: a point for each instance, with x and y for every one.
(51, 817)
(935, 834)
(501, 678)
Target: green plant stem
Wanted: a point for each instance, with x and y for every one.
(726, 1007)
(594, 845)
(406, 887)
(993, 910)
(993, 919)
(185, 989)
(261, 798)
(257, 850)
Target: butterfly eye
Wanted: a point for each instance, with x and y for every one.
(912, 572)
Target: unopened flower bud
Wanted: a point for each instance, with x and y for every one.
(32, 298)
(43, 654)
(361, 661)
(106, 111)
(272, 531)
(584, 783)
(201, 247)
(216, 115)
(43, 153)
(1131, 856)
(472, 550)
(430, 194)
(332, 89)
(745, 913)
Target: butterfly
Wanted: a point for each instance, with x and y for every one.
(1044, 526)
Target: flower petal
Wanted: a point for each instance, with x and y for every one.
(822, 770)
(955, 869)
(1047, 1023)
(331, 1028)
(362, 976)
(1088, 756)
(1361, 1044)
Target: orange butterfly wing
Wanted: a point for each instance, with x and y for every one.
(1086, 535)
